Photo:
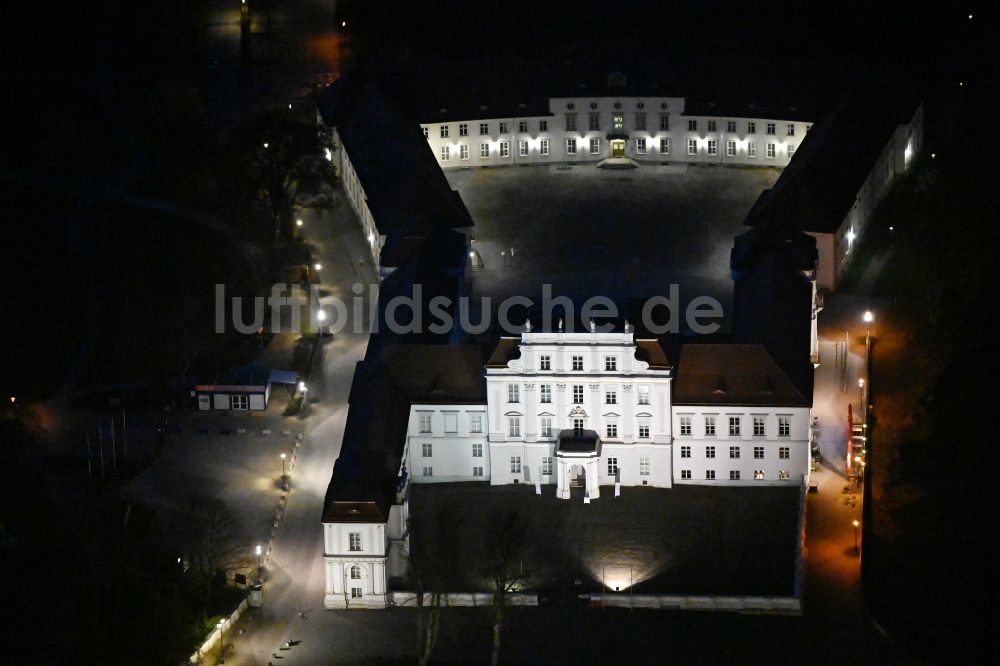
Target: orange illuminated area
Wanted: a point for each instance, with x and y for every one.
(328, 49)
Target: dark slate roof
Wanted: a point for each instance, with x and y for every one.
(506, 350)
(728, 374)
(819, 186)
(406, 190)
(578, 441)
(364, 478)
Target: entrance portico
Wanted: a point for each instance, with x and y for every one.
(577, 448)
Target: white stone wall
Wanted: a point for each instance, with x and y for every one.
(453, 444)
(356, 195)
(347, 587)
(749, 136)
(797, 442)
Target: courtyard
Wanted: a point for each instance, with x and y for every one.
(684, 540)
(624, 234)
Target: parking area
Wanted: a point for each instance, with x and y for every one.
(625, 234)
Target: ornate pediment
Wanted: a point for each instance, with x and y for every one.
(577, 411)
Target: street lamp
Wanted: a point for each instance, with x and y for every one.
(283, 457)
(318, 266)
(259, 551)
(856, 550)
(321, 316)
(298, 223)
(222, 643)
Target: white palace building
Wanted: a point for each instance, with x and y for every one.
(569, 410)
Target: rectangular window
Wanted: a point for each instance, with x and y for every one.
(571, 146)
(709, 451)
(477, 450)
(522, 126)
(445, 153)
(543, 147)
(640, 146)
(758, 475)
(783, 452)
(463, 152)
(758, 453)
(770, 128)
(355, 572)
(643, 465)
(734, 426)
(513, 426)
(357, 593)
(610, 364)
(545, 391)
(463, 129)
(685, 452)
(426, 133)
(595, 146)
(713, 147)
(444, 131)
(730, 149)
(513, 393)
(791, 129)
(686, 474)
(611, 430)
(610, 397)
(692, 126)
(425, 423)
(484, 150)
(570, 122)
(477, 471)
(751, 149)
(544, 362)
(692, 146)
(618, 122)
(734, 452)
(710, 425)
(784, 426)
(758, 426)
(354, 541)
(612, 466)
(543, 126)
(504, 127)
(751, 127)
(791, 151)
(643, 395)
(664, 122)
(685, 425)
(241, 402)
(770, 150)
(522, 148)
(515, 464)
(595, 122)
(734, 475)
(730, 125)
(451, 422)
(476, 423)
(711, 126)
(644, 429)
(428, 471)
(546, 465)
(665, 146)
(578, 363)
(577, 394)
(784, 475)
(546, 426)
(578, 424)
(484, 129)
(504, 149)
(640, 121)
(710, 474)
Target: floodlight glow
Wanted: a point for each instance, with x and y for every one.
(868, 317)
(259, 550)
(298, 223)
(321, 315)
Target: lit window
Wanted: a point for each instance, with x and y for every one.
(692, 146)
(758, 475)
(618, 122)
(784, 475)
(791, 151)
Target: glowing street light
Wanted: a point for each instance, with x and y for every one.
(222, 643)
(260, 550)
(298, 223)
(283, 469)
(265, 144)
(317, 265)
(856, 549)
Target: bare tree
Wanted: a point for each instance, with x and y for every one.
(431, 562)
(505, 538)
(211, 539)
